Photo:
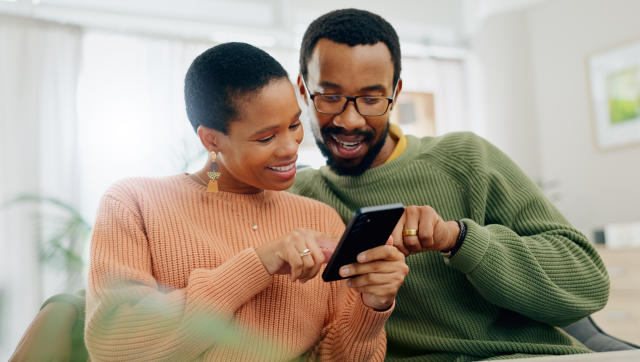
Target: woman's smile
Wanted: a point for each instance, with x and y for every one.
(284, 170)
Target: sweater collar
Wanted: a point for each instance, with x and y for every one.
(401, 142)
(260, 198)
(376, 174)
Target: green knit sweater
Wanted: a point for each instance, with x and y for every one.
(521, 271)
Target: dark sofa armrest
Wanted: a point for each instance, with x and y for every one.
(593, 337)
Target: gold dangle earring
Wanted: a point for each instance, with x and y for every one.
(214, 174)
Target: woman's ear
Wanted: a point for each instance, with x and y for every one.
(210, 138)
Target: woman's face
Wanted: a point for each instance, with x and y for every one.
(260, 149)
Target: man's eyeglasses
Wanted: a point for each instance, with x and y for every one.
(336, 103)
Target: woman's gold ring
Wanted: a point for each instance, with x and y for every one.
(305, 252)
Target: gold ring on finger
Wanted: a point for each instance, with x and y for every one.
(305, 252)
(409, 232)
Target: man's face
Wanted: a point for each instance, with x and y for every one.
(352, 143)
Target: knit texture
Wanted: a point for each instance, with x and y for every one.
(521, 271)
(174, 276)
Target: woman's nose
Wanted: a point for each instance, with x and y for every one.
(289, 145)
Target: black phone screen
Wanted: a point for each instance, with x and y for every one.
(370, 227)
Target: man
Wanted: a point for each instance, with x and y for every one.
(494, 267)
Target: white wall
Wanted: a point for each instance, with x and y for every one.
(265, 23)
(597, 187)
(533, 102)
(502, 107)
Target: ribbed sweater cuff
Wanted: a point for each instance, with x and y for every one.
(371, 320)
(233, 283)
(473, 248)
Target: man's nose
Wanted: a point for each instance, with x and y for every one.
(350, 119)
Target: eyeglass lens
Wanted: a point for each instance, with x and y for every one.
(367, 106)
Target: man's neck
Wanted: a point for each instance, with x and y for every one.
(386, 151)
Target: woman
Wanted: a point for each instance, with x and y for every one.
(171, 257)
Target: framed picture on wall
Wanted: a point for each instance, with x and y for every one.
(415, 113)
(614, 77)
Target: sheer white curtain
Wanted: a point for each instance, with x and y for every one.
(131, 110)
(79, 111)
(39, 65)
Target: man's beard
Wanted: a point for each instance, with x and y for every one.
(366, 161)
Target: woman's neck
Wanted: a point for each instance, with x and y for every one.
(226, 182)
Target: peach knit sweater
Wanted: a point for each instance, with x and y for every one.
(174, 276)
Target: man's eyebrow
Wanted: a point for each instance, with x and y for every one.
(326, 84)
(272, 127)
(371, 88)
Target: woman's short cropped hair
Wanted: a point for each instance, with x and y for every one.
(221, 77)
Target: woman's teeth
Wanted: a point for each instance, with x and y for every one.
(283, 168)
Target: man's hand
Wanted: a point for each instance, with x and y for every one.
(377, 275)
(431, 231)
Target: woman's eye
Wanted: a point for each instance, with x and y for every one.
(294, 126)
(266, 139)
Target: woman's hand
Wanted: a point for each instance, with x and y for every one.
(287, 255)
(48, 337)
(377, 275)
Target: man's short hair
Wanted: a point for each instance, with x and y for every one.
(220, 77)
(352, 27)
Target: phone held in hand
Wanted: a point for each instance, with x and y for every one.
(369, 227)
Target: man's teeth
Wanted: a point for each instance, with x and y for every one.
(283, 168)
(347, 145)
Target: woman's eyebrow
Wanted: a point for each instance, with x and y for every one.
(265, 129)
(272, 127)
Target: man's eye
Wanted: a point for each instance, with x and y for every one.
(331, 99)
(266, 139)
(371, 100)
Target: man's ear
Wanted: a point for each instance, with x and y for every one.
(301, 89)
(398, 89)
(210, 138)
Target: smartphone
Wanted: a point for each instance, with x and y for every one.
(369, 227)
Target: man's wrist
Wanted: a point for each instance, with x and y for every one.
(459, 240)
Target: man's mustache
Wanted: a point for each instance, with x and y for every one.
(328, 131)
